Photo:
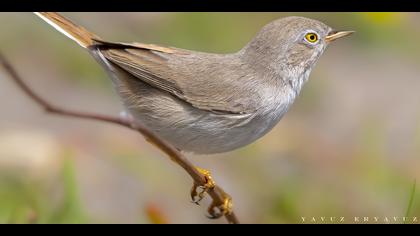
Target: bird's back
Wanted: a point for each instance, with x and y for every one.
(220, 83)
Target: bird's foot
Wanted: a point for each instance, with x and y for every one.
(210, 184)
(218, 210)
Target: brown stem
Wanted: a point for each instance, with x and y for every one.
(217, 193)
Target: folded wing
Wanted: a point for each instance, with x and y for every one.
(202, 82)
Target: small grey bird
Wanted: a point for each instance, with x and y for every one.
(210, 103)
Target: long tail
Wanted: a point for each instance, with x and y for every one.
(77, 33)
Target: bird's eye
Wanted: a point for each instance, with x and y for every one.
(311, 37)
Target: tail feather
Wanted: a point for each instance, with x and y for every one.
(77, 33)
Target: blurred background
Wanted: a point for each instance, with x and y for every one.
(349, 147)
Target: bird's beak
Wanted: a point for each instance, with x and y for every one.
(333, 35)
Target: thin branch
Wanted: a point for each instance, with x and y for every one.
(216, 193)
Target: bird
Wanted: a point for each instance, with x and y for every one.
(207, 103)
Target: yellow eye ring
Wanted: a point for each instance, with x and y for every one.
(311, 37)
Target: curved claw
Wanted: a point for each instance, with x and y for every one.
(210, 184)
(194, 194)
(195, 202)
(214, 217)
(212, 212)
(215, 211)
(223, 209)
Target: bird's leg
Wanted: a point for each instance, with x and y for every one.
(210, 184)
(218, 210)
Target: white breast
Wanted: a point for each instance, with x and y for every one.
(276, 103)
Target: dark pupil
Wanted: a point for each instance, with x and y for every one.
(312, 37)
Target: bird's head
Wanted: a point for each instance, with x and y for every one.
(290, 44)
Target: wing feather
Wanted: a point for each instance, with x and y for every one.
(150, 65)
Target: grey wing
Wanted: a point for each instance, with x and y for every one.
(153, 66)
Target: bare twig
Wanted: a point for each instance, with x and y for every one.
(216, 193)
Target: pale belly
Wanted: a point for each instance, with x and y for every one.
(205, 133)
(198, 131)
